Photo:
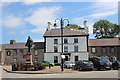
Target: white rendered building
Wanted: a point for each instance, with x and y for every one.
(75, 44)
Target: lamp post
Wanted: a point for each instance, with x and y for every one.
(61, 25)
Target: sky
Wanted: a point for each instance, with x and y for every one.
(23, 19)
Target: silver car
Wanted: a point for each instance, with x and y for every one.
(68, 64)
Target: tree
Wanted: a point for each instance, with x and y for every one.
(105, 29)
(73, 26)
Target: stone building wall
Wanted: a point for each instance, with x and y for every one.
(108, 51)
(19, 56)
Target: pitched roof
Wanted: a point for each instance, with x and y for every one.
(66, 32)
(36, 45)
(104, 42)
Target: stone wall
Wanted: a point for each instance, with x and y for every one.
(99, 51)
(19, 56)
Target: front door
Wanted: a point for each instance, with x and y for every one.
(67, 57)
(76, 58)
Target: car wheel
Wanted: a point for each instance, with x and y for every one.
(80, 69)
(65, 66)
(115, 68)
(50, 65)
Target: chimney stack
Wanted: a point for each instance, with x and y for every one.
(12, 41)
(49, 26)
(85, 26)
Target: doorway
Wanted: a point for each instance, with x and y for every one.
(67, 57)
(76, 58)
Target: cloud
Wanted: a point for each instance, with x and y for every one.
(99, 10)
(12, 21)
(38, 40)
(60, 0)
(41, 16)
(100, 15)
(31, 2)
(12, 33)
(25, 31)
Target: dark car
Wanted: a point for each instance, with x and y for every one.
(116, 65)
(83, 65)
(101, 63)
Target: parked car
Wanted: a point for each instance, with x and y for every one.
(46, 63)
(69, 64)
(101, 63)
(83, 65)
(116, 65)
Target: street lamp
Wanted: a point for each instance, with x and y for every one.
(61, 24)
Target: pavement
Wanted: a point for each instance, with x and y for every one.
(0, 72)
(55, 72)
(52, 70)
(81, 74)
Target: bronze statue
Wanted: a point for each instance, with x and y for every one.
(29, 43)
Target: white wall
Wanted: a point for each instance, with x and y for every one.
(50, 57)
(82, 44)
(81, 56)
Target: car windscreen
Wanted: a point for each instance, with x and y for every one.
(69, 62)
(119, 62)
(86, 61)
(103, 59)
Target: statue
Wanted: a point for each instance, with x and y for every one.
(29, 43)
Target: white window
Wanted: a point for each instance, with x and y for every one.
(104, 50)
(15, 60)
(112, 50)
(65, 40)
(75, 40)
(36, 52)
(55, 49)
(75, 48)
(55, 59)
(8, 53)
(93, 50)
(36, 59)
(55, 41)
(65, 48)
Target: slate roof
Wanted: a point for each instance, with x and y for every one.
(36, 45)
(66, 32)
(104, 42)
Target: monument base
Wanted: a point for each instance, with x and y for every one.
(29, 64)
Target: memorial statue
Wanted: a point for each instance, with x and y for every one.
(29, 43)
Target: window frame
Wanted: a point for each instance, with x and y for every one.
(56, 42)
(94, 49)
(8, 53)
(65, 41)
(56, 49)
(75, 40)
(36, 51)
(55, 59)
(105, 50)
(76, 46)
(66, 50)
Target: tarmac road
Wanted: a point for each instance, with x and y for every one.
(81, 74)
